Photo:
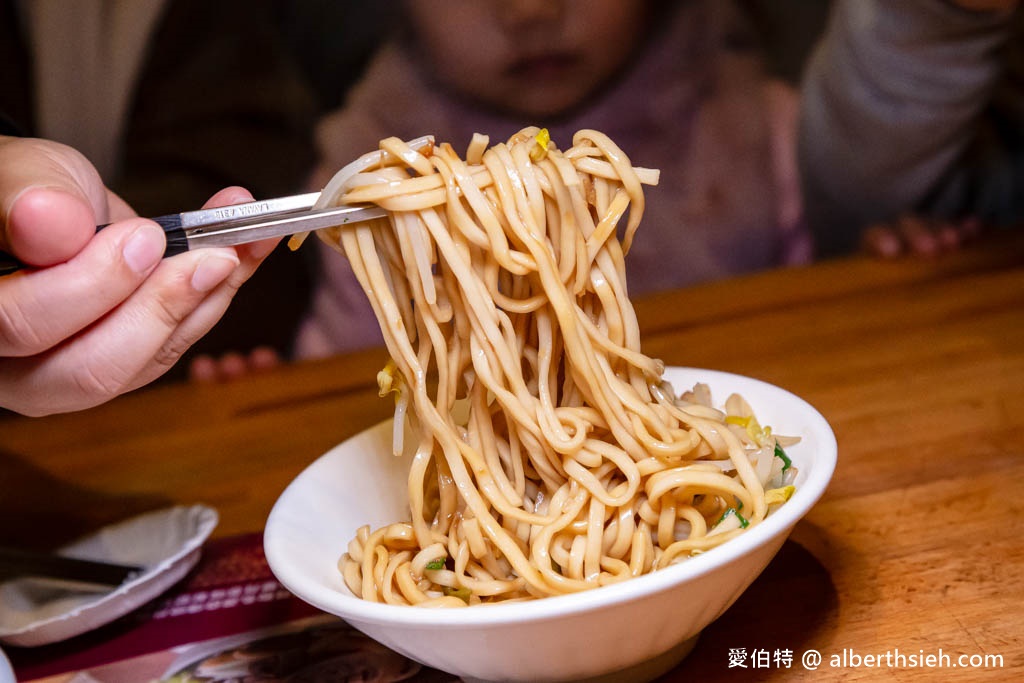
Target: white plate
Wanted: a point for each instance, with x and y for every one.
(633, 630)
(166, 542)
(6, 674)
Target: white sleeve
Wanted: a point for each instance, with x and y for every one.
(890, 100)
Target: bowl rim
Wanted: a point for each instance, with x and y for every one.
(780, 522)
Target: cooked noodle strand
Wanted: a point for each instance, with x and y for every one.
(549, 456)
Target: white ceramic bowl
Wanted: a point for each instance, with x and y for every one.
(630, 631)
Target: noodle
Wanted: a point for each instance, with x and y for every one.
(549, 455)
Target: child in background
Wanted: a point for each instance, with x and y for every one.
(679, 86)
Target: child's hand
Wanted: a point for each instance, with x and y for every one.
(232, 365)
(919, 236)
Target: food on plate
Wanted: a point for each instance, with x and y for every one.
(548, 454)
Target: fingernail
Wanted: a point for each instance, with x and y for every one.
(212, 270)
(144, 248)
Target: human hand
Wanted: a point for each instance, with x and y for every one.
(916, 235)
(232, 366)
(102, 313)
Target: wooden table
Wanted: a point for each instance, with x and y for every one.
(918, 546)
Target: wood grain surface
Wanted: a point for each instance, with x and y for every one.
(917, 547)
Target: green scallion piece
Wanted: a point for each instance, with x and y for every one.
(460, 593)
(781, 455)
(744, 523)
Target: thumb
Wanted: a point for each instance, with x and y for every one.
(51, 199)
